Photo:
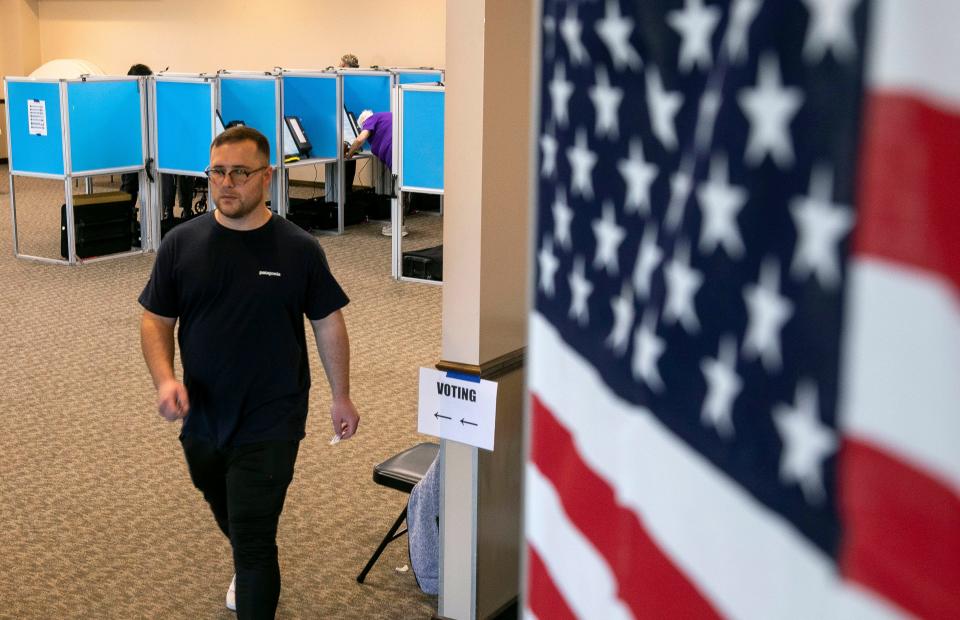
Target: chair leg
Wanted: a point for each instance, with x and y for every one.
(390, 537)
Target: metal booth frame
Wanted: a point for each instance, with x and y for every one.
(278, 193)
(68, 173)
(156, 168)
(401, 188)
(314, 161)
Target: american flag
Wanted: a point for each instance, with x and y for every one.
(744, 360)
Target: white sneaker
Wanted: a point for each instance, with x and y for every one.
(387, 231)
(232, 594)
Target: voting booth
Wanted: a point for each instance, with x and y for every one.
(183, 124)
(254, 99)
(77, 129)
(418, 143)
(421, 75)
(163, 125)
(367, 89)
(311, 110)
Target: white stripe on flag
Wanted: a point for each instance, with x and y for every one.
(528, 615)
(901, 387)
(590, 590)
(746, 559)
(916, 48)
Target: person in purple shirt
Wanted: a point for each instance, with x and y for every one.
(378, 129)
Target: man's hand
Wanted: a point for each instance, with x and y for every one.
(345, 418)
(172, 401)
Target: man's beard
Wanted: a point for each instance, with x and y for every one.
(239, 208)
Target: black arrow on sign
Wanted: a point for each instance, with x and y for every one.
(437, 415)
(462, 421)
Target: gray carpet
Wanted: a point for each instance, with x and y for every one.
(98, 518)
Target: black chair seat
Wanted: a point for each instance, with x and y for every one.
(405, 469)
(402, 472)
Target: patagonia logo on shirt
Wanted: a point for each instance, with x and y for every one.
(272, 274)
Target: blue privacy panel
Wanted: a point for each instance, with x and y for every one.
(105, 129)
(418, 77)
(184, 119)
(255, 103)
(366, 92)
(37, 154)
(314, 100)
(422, 139)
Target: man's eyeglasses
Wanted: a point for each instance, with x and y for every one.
(238, 176)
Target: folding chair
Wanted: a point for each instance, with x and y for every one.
(401, 472)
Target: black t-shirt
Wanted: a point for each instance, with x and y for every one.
(240, 297)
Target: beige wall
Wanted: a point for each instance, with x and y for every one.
(506, 177)
(463, 181)
(485, 235)
(19, 48)
(486, 170)
(206, 35)
(19, 37)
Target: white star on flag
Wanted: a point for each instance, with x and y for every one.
(683, 282)
(562, 216)
(580, 289)
(706, 121)
(807, 442)
(614, 30)
(623, 314)
(663, 106)
(570, 29)
(560, 89)
(695, 25)
(830, 28)
(723, 387)
(720, 203)
(550, 32)
(647, 349)
(548, 143)
(606, 101)
(648, 258)
(738, 30)
(768, 312)
(609, 237)
(681, 183)
(639, 175)
(582, 160)
(770, 108)
(548, 264)
(821, 225)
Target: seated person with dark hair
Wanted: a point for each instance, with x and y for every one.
(130, 182)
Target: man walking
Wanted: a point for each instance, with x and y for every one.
(240, 281)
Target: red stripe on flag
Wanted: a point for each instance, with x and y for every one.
(648, 582)
(543, 598)
(901, 531)
(909, 183)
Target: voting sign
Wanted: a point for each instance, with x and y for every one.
(458, 407)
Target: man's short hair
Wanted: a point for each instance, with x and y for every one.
(349, 60)
(242, 133)
(139, 69)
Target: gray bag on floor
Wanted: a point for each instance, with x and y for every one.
(423, 530)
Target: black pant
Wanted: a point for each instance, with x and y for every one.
(171, 186)
(245, 487)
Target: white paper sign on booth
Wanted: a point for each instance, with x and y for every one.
(37, 117)
(457, 407)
